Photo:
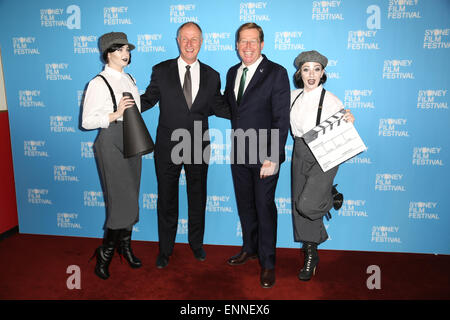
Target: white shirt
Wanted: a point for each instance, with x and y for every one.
(97, 101)
(195, 75)
(304, 111)
(250, 72)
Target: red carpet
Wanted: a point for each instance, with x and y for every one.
(34, 267)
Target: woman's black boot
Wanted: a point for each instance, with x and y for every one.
(311, 261)
(124, 249)
(105, 253)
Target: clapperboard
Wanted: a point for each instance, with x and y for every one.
(334, 141)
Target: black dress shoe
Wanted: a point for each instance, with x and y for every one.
(199, 254)
(162, 261)
(267, 278)
(241, 258)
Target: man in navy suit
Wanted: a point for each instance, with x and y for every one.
(188, 92)
(258, 92)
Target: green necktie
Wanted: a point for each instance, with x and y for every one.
(241, 85)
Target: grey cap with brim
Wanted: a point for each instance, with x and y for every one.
(108, 39)
(310, 56)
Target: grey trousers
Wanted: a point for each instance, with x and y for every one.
(311, 194)
(120, 178)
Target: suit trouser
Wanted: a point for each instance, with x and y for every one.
(311, 194)
(168, 176)
(255, 198)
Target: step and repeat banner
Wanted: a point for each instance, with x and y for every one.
(388, 62)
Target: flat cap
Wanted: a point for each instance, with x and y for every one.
(310, 56)
(108, 39)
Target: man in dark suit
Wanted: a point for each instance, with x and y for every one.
(258, 92)
(188, 92)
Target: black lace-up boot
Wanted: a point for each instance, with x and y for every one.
(311, 261)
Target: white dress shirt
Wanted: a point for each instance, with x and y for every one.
(304, 111)
(250, 72)
(97, 101)
(195, 75)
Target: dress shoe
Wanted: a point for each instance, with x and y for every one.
(199, 254)
(241, 258)
(267, 278)
(162, 261)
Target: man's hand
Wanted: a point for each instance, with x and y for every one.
(268, 168)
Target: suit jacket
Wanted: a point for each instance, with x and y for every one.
(166, 88)
(264, 105)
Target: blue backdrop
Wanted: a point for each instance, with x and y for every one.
(388, 63)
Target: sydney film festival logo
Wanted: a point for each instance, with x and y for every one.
(38, 196)
(389, 182)
(423, 210)
(25, 46)
(284, 205)
(116, 16)
(57, 72)
(67, 220)
(289, 40)
(63, 173)
(385, 234)
(403, 9)
(93, 199)
(432, 99)
(436, 39)
(60, 124)
(359, 99)
(85, 44)
(60, 17)
(353, 208)
(362, 40)
(181, 13)
(150, 201)
(30, 98)
(218, 204)
(427, 156)
(34, 148)
(395, 69)
(392, 127)
(218, 41)
(150, 43)
(253, 12)
(326, 10)
(87, 149)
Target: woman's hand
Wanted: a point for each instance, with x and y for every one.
(125, 103)
(348, 116)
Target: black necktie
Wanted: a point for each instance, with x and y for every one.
(187, 87)
(242, 85)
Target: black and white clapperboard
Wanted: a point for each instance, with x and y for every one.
(334, 141)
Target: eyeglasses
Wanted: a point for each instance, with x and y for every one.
(252, 43)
